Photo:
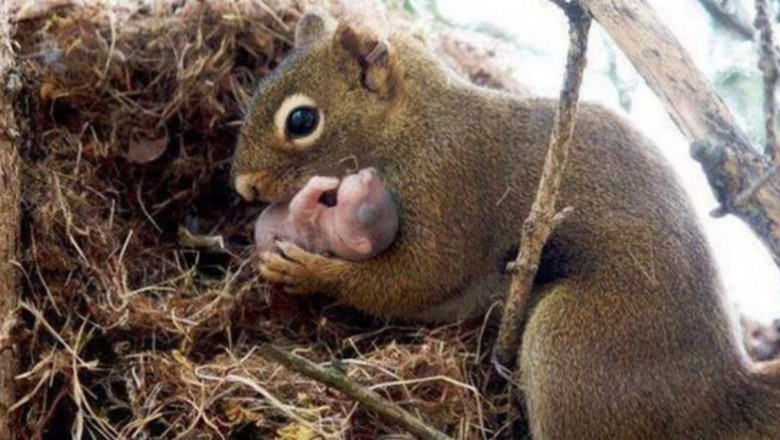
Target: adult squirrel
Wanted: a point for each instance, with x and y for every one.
(627, 337)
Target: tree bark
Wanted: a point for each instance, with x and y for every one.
(9, 226)
(743, 180)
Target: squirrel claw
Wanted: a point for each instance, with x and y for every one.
(295, 269)
(274, 274)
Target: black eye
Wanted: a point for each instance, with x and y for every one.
(302, 121)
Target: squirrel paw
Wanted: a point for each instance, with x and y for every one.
(295, 269)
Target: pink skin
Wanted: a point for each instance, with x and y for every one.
(362, 224)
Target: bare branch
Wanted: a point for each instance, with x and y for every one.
(542, 219)
(746, 195)
(730, 20)
(731, 164)
(336, 379)
(767, 63)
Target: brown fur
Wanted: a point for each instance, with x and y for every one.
(628, 338)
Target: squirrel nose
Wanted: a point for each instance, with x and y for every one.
(249, 186)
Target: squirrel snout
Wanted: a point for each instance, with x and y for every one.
(246, 185)
(255, 186)
(263, 186)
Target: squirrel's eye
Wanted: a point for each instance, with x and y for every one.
(299, 121)
(302, 121)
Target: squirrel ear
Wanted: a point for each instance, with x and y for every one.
(374, 55)
(311, 27)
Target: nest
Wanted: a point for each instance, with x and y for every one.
(141, 307)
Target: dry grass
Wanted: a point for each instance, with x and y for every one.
(132, 328)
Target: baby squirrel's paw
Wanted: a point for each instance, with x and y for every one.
(297, 270)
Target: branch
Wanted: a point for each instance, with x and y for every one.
(730, 20)
(731, 164)
(10, 84)
(543, 218)
(767, 64)
(336, 379)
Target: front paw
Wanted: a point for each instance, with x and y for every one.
(296, 270)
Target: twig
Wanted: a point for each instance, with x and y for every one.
(744, 197)
(543, 218)
(336, 379)
(730, 20)
(767, 63)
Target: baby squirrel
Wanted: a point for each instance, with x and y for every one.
(627, 337)
(361, 223)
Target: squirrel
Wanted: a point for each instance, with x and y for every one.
(360, 222)
(627, 336)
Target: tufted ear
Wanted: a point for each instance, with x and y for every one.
(313, 26)
(374, 54)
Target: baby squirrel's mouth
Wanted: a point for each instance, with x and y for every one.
(329, 198)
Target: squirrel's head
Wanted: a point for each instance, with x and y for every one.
(320, 112)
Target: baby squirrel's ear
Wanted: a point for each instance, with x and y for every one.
(374, 54)
(313, 26)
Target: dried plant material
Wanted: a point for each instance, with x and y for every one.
(335, 378)
(142, 304)
(142, 151)
(20, 10)
(295, 431)
(188, 239)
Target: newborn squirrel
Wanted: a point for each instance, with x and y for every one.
(361, 223)
(627, 336)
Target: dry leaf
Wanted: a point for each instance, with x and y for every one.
(188, 239)
(143, 151)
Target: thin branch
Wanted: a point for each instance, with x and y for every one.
(767, 63)
(540, 223)
(543, 217)
(744, 197)
(336, 379)
(730, 20)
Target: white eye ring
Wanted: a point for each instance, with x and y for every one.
(289, 104)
